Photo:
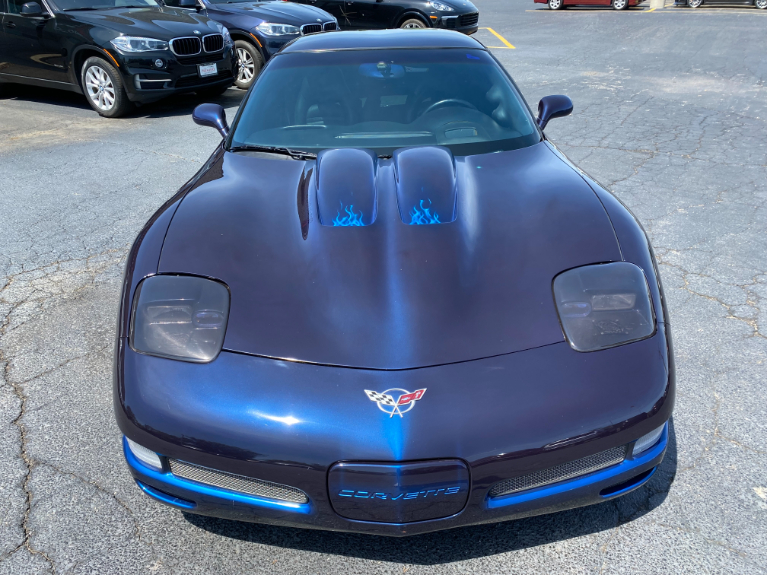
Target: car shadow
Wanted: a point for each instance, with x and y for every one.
(465, 542)
(178, 105)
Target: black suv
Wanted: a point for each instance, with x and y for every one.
(116, 52)
(260, 29)
(459, 15)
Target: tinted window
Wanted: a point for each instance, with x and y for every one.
(100, 4)
(386, 99)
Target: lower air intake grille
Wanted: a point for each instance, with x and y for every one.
(329, 26)
(185, 46)
(560, 472)
(311, 28)
(469, 19)
(238, 483)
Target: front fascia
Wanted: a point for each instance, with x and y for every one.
(288, 422)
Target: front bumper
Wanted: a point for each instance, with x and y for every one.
(464, 23)
(290, 424)
(213, 501)
(146, 82)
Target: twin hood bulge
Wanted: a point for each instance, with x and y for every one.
(325, 265)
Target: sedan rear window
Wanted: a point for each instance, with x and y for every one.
(384, 100)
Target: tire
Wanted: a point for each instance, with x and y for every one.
(694, 3)
(413, 24)
(620, 4)
(250, 63)
(213, 92)
(103, 87)
(761, 4)
(556, 4)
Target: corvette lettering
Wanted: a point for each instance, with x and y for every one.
(388, 404)
(404, 496)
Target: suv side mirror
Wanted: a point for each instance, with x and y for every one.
(213, 116)
(553, 107)
(31, 9)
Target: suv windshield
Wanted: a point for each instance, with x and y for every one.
(384, 100)
(67, 5)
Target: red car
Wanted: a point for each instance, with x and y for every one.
(616, 4)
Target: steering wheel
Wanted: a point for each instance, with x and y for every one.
(449, 102)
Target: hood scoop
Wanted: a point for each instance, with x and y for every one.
(426, 185)
(346, 187)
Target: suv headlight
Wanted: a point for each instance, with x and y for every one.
(440, 6)
(270, 29)
(180, 317)
(604, 305)
(226, 35)
(136, 44)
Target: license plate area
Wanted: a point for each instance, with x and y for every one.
(207, 70)
(399, 492)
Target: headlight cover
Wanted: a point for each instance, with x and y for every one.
(440, 6)
(604, 305)
(269, 29)
(129, 44)
(180, 317)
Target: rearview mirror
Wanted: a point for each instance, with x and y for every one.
(31, 9)
(553, 107)
(213, 116)
(187, 3)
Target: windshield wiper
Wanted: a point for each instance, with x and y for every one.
(84, 8)
(297, 154)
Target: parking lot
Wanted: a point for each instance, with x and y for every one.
(670, 114)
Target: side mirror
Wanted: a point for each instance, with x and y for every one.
(553, 107)
(31, 9)
(187, 3)
(213, 116)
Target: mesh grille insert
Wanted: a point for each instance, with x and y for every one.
(560, 472)
(469, 19)
(238, 483)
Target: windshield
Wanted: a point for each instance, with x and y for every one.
(384, 100)
(67, 5)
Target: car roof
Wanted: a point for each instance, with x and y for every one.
(373, 39)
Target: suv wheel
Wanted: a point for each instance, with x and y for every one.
(694, 3)
(620, 4)
(556, 4)
(413, 24)
(761, 4)
(103, 88)
(249, 62)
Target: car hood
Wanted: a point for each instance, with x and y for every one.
(277, 12)
(154, 22)
(389, 295)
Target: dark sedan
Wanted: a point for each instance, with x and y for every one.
(387, 304)
(116, 55)
(260, 29)
(460, 15)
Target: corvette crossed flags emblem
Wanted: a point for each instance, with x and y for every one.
(404, 402)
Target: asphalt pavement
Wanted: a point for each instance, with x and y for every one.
(670, 114)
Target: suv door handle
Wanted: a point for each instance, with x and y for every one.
(10, 24)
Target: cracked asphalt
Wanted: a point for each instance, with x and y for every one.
(670, 114)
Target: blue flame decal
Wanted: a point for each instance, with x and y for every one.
(351, 218)
(423, 215)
